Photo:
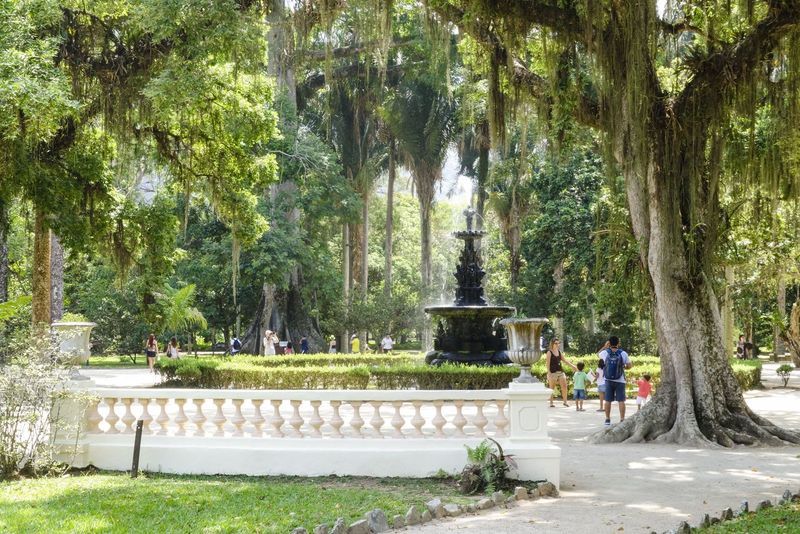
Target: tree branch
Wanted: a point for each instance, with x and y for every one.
(720, 72)
(348, 51)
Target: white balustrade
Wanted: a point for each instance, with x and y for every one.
(316, 432)
(320, 414)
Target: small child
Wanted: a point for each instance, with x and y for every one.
(601, 382)
(579, 387)
(645, 387)
(289, 349)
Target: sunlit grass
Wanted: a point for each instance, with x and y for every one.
(111, 502)
(773, 520)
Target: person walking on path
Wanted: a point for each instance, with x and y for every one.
(616, 361)
(555, 373)
(355, 344)
(579, 380)
(304, 345)
(601, 382)
(151, 350)
(645, 387)
(172, 349)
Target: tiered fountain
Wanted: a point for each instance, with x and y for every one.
(469, 330)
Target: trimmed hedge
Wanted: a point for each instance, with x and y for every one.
(241, 373)
(323, 360)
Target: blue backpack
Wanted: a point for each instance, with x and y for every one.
(615, 365)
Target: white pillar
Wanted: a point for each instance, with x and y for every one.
(536, 456)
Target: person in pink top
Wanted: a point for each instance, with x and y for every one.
(645, 387)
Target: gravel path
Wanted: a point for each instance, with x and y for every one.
(648, 487)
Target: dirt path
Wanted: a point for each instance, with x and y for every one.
(645, 488)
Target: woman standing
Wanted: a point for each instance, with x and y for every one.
(269, 343)
(150, 350)
(555, 373)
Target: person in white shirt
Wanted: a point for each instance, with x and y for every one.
(387, 343)
(269, 343)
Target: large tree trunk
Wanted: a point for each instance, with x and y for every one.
(698, 402)
(387, 258)
(792, 335)
(728, 335)
(40, 305)
(425, 267)
(777, 340)
(482, 178)
(56, 278)
(4, 228)
(364, 261)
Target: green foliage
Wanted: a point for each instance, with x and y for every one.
(177, 312)
(15, 321)
(32, 392)
(785, 372)
(488, 470)
(776, 519)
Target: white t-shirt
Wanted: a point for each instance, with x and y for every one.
(601, 380)
(603, 354)
(172, 352)
(387, 343)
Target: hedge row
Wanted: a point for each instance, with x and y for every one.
(323, 360)
(242, 374)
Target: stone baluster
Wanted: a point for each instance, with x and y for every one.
(181, 418)
(163, 418)
(146, 418)
(397, 420)
(93, 417)
(438, 420)
(336, 421)
(258, 419)
(417, 421)
(238, 419)
(112, 416)
(219, 418)
(376, 421)
(480, 420)
(128, 418)
(356, 422)
(500, 420)
(459, 420)
(276, 421)
(199, 418)
(316, 420)
(296, 422)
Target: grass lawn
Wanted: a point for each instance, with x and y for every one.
(113, 502)
(773, 520)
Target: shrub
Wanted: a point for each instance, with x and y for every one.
(785, 372)
(356, 372)
(32, 390)
(487, 470)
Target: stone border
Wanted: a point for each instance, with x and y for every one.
(728, 514)
(376, 521)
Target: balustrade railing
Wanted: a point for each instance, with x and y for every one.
(311, 414)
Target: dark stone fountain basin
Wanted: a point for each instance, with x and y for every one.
(469, 334)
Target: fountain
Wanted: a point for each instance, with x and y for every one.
(468, 331)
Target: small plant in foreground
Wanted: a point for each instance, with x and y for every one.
(785, 372)
(487, 470)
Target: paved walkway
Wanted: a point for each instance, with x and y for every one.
(648, 487)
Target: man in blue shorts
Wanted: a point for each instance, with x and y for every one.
(616, 361)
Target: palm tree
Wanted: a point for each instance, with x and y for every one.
(177, 313)
(422, 120)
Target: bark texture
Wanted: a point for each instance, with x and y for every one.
(40, 304)
(4, 272)
(387, 260)
(56, 278)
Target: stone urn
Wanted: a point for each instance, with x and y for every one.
(524, 347)
(73, 338)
